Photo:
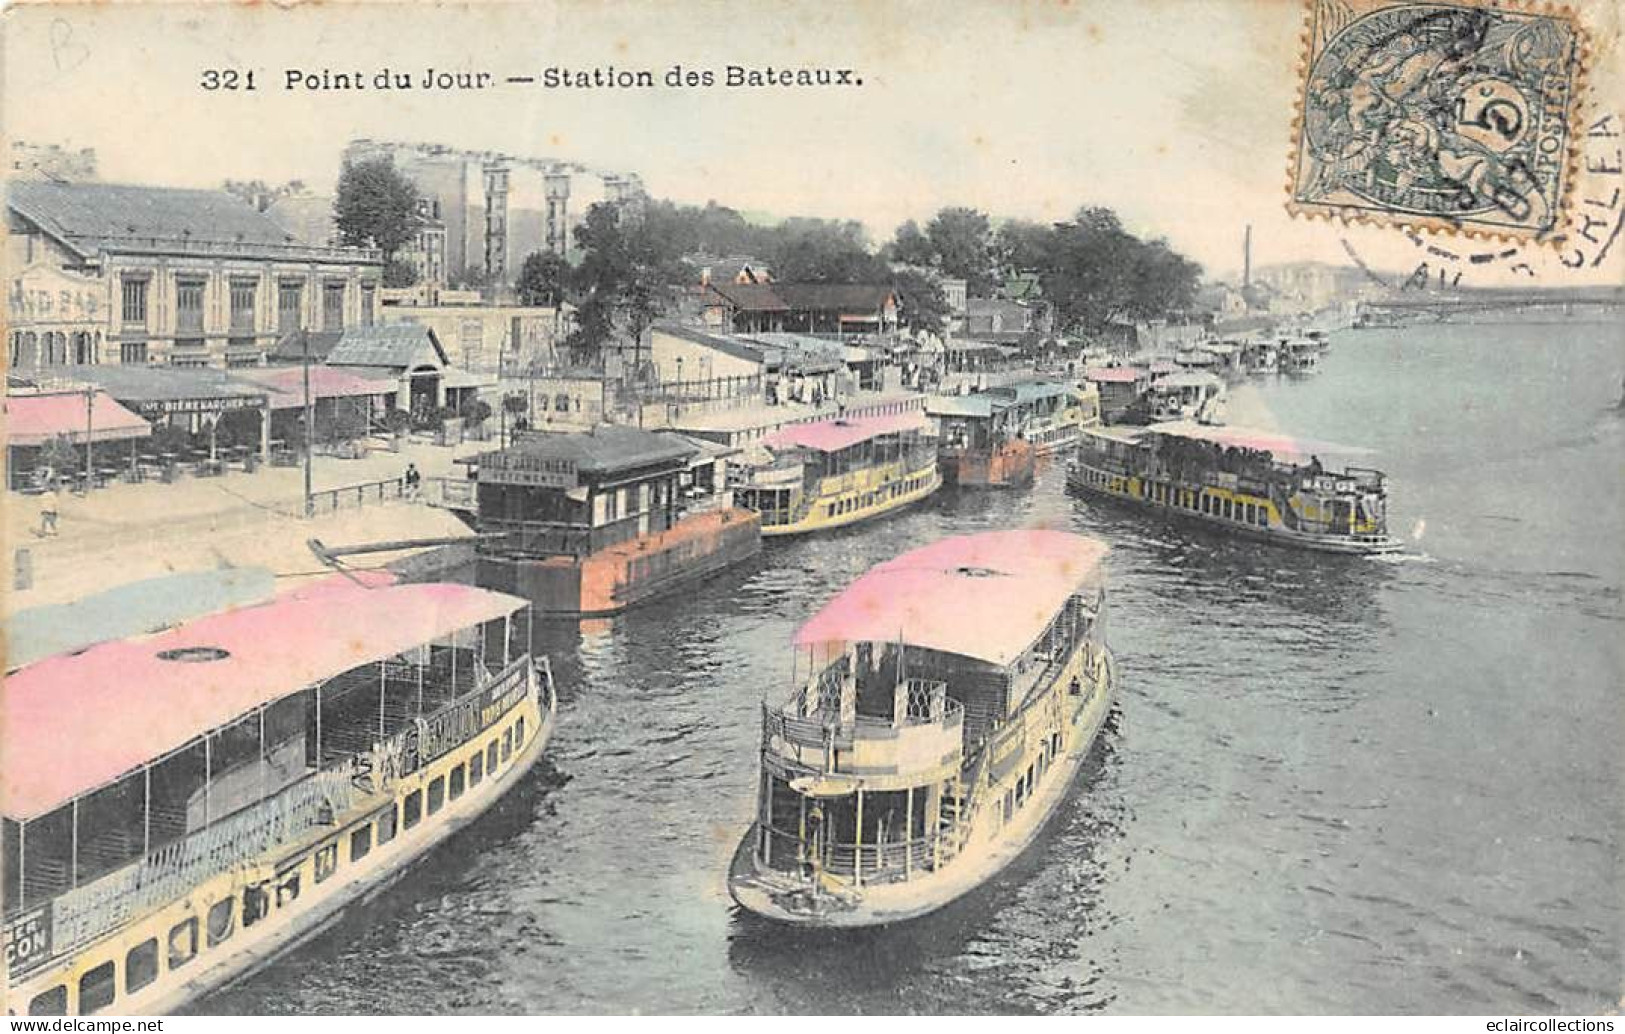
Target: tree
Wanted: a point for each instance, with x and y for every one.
(60, 454)
(376, 207)
(817, 250)
(261, 194)
(960, 238)
(542, 279)
(475, 411)
(1019, 246)
(630, 270)
(911, 247)
(922, 306)
(1088, 272)
(400, 273)
(1095, 273)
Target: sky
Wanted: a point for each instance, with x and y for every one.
(1175, 113)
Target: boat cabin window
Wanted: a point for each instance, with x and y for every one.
(50, 1003)
(327, 860)
(182, 943)
(507, 742)
(287, 890)
(476, 770)
(220, 921)
(412, 809)
(519, 732)
(360, 843)
(386, 826)
(141, 966)
(437, 793)
(491, 757)
(96, 989)
(256, 905)
(454, 783)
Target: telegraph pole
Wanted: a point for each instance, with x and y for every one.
(90, 433)
(310, 421)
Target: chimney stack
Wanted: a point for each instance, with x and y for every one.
(1247, 258)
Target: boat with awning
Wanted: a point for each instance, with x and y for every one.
(1245, 481)
(180, 807)
(941, 709)
(827, 474)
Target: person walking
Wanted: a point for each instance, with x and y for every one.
(49, 505)
(413, 480)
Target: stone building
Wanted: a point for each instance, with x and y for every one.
(113, 273)
(494, 209)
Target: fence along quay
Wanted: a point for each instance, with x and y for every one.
(951, 695)
(178, 807)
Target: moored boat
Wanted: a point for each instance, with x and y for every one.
(832, 473)
(1300, 355)
(977, 447)
(1247, 482)
(181, 807)
(597, 521)
(949, 698)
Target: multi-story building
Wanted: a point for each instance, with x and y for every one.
(494, 209)
(153, 275)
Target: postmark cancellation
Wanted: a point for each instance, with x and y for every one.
(1454, 116)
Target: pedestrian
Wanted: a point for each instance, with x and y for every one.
(413, 480)
(48, 508)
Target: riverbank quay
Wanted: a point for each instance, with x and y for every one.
(126, 532)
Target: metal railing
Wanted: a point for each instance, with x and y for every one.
(332, 500)
(322, 799)
(96, 908)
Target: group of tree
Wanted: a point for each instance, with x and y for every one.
(633, 259)
(1091, 270)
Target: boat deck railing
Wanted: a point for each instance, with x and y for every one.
(321, 799)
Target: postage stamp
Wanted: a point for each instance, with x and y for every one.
(1456, 115)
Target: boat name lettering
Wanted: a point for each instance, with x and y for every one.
(28, 941)
(520, 469)
(441, 733)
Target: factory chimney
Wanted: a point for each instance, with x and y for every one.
(1247, 258)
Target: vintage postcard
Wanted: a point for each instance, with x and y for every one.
(1064, 507)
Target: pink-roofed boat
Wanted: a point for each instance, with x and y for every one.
(943, 706)
(180, 807)
(828, 474)
(1257, 484)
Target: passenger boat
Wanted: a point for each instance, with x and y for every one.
(180, 807)
(1300, 355)
(943, 706)
(594, 522)
(1048, 413)
(832, 473)
(1187, 395)
(1261, 355)
(1247, 482)
(977, 447)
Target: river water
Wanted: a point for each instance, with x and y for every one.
(1331, 784)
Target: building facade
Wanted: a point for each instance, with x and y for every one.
(494, 209)
(191, 278)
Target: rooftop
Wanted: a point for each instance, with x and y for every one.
(986, 596)
(75, 722)
(606, 449)
(783, 297)
(90, 218)
(397, 346)
(843, 433)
